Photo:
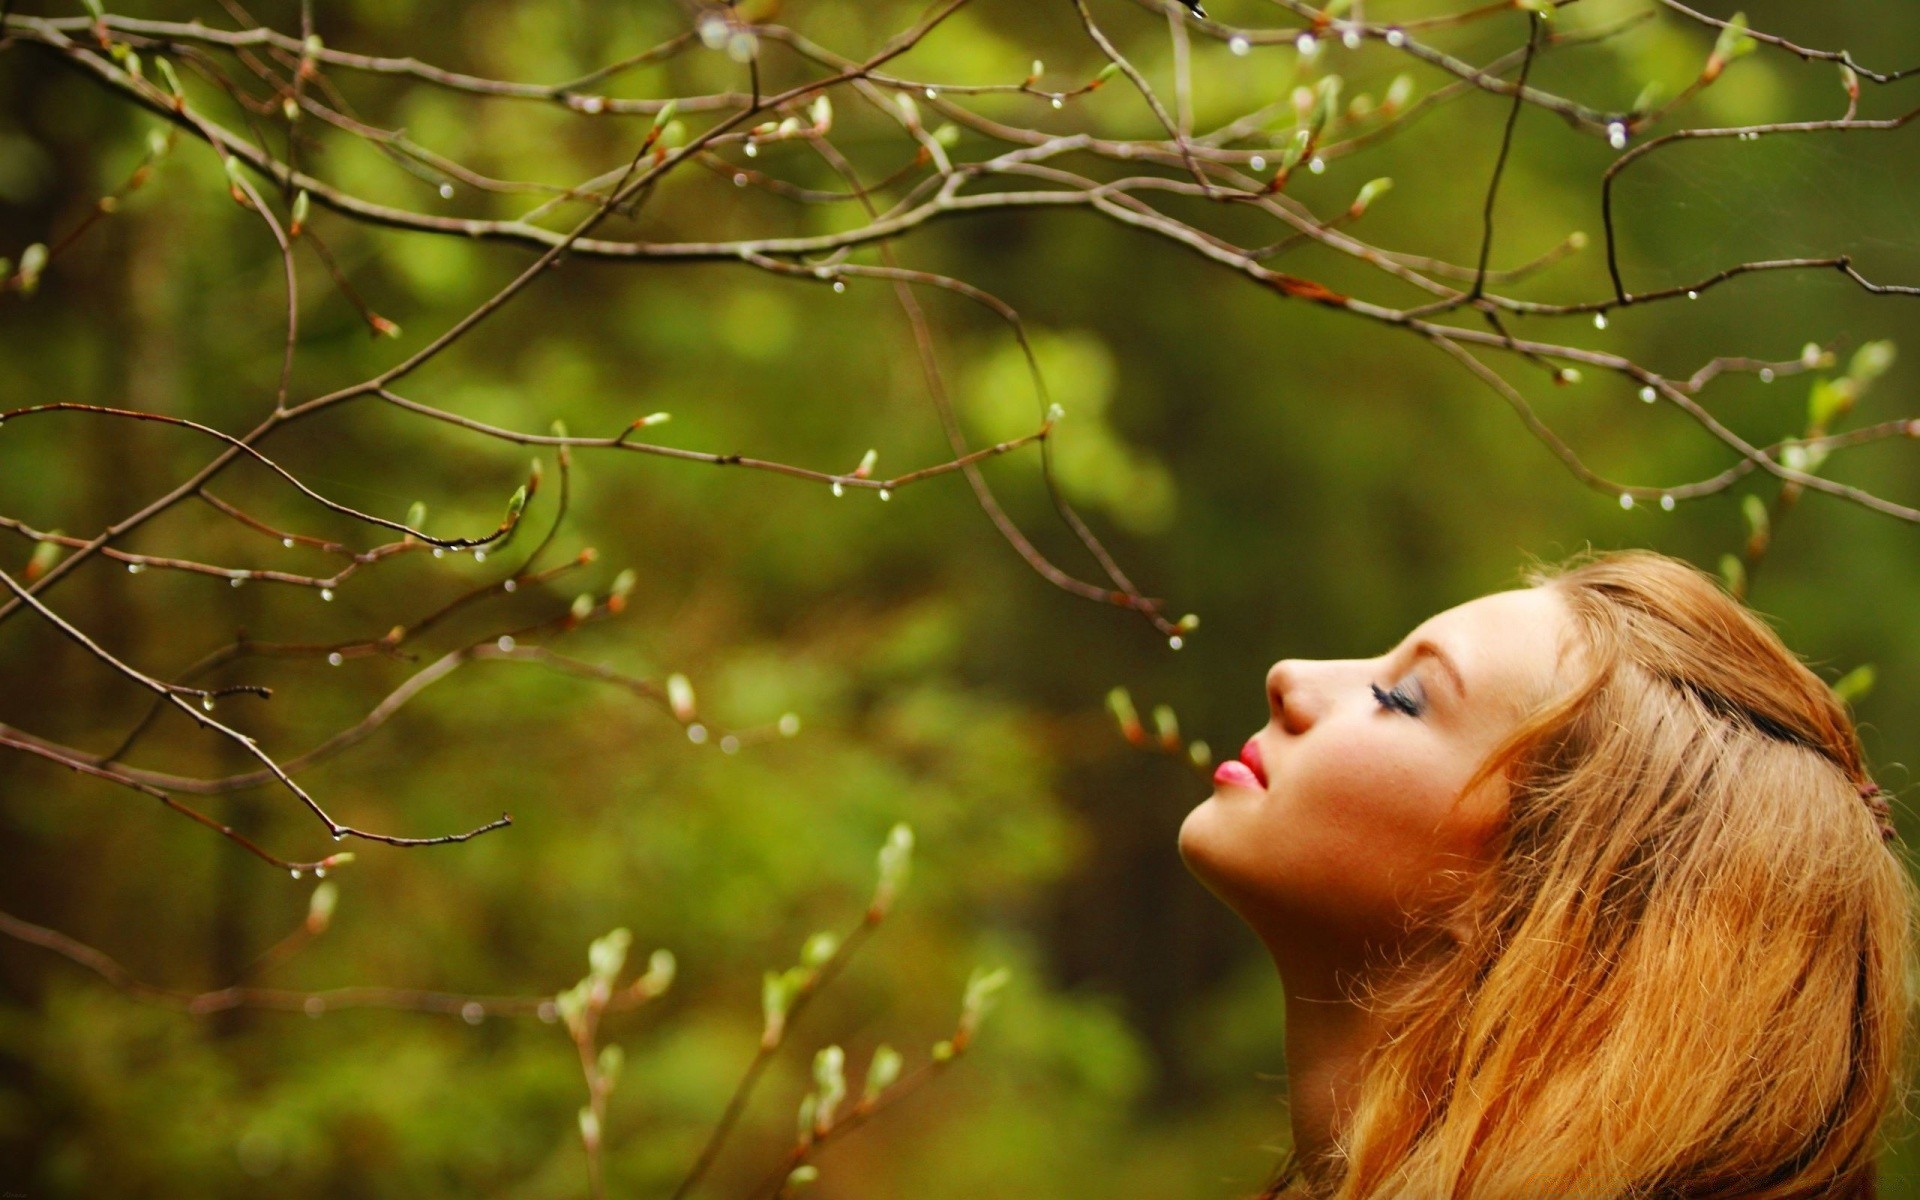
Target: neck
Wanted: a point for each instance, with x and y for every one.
(1328, 1035)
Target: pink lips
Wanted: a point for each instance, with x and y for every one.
(1246, 771)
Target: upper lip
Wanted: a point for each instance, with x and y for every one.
(1250, 755)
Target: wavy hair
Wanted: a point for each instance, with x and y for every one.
(1685, 974)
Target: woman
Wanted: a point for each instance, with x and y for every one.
(1582, 891)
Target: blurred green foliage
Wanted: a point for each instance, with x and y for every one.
(1310, 484)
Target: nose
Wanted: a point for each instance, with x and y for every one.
(1287, 697)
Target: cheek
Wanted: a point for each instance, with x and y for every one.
(1355, 834)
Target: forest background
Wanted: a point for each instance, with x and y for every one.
(1308, 483)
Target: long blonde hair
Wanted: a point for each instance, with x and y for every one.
(1688, 967)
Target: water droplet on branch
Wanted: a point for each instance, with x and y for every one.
(1239, 45)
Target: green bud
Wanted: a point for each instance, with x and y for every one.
(1200, 755)
(882, 1071)
(942, 1051)
(983, 992)
(589, 1127)
(819, 949)
(33, 261)
(1120, 704)
(680, 696)
(1759, 525)
(1733, 573)
(1855, 683)
(1372, 190)
(582, 606)
(776, 995)
(661, 968)
(301, 204)
(623, 582)
(612, 1058)
(1166, 725)
(320, 907)
(896, 862)
(44, 556)
(168, 77)
(1829, 400)
(517, 503)
(1108, 72)
(572, 1005)
(417, 514)
(1326, 101)
(608, 954)
(1398, 93)
(1733, 42)
(664, 117)
(830, 1083)
(948, 136)
(802, 1175)
(1871, 361)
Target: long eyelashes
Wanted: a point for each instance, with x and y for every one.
(1397, 699)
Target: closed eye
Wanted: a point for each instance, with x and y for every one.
(1397, 699)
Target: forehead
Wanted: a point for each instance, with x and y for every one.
(1511, 647)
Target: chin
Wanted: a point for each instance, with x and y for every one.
(1200, 841)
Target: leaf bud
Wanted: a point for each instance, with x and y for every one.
(612, 1058)
(819, 948)
(608, 954)
(44, 556)
(320, 907)
(1120, 704)
(830, 1080)
(895, 863)
(33, 261)
(661, 969)
(680, 696)
(983, 992)
(1854, 684)
(882, 1071)
(1372, 190)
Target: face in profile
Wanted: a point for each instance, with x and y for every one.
(1341, 827)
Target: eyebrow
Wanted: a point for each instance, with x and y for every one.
(1427, 648)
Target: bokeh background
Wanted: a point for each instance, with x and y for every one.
(1307, 483)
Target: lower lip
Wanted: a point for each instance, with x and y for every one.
(1235, 773)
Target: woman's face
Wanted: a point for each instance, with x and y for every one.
(1336, 829)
